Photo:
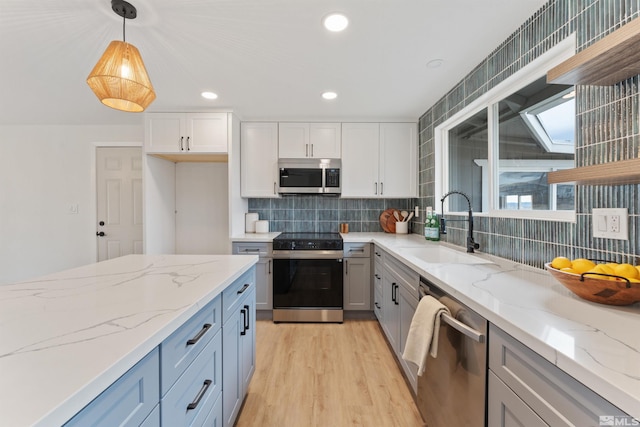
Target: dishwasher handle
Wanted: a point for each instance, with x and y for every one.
(456, 324)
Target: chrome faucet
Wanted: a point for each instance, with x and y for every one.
(471, 244)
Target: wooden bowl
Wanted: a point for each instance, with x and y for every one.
(600, 290)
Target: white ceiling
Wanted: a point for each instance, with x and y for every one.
(266, 59)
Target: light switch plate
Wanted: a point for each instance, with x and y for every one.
(611, 223)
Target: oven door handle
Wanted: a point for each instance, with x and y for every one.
(456, 324)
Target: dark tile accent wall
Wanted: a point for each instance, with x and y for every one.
(299, 213)
(608, 123)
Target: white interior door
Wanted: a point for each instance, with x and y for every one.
(119, 200)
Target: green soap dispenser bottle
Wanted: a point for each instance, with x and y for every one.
(427, 223)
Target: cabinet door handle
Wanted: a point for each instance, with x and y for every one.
(377, 305)
(269, 266)
(244, 288)
(203, 331)
(251, 250)
(377, 276)
(201, 393)
(246, 323)
(311, 150)
(396, 300)
(188, 148)
(306, 150)
(393, 292)
(181, 141)
(360, 250)
(346, 266)
(274, 187)
(375, 186)
(381, 188)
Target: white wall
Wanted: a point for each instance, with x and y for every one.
(44, 170)
(202, 208)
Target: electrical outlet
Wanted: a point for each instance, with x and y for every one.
(614, 225)
(611, 223)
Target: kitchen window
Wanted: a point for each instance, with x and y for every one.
(500, 149)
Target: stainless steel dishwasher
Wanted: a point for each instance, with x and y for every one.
(452, 391)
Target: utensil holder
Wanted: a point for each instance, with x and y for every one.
(402, 227)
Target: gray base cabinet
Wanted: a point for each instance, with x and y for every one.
(378, 271)
(357, 276)
(399, 303)
(525, 387)
(264, 270)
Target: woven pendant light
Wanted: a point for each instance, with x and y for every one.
(120, 79)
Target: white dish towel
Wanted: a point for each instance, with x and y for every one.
(423, 332)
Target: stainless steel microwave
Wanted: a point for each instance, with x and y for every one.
(309, 176)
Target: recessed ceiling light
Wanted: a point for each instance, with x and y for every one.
(209, 95)
(335, 22)
(329, 95)
(435, 63)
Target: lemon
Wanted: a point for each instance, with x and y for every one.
(638, 268)
(568, 270)
(560, 262)
(581, 265)
(626, 270)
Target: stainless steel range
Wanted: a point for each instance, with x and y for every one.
(307, 277)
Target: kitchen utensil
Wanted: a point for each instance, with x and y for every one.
(409, 217)
(396, 215)
(404, 214)
(384, 216)
(598, 288)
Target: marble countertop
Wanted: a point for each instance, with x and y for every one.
(255, 237)
(66, 337)
(599, 345)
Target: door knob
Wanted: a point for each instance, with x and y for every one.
(101, 223)
(100, 233)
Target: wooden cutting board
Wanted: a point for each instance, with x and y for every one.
(391, 222)
(384, 218)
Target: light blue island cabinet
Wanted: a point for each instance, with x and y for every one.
(148, 338)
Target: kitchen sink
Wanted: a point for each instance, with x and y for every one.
(442, 255)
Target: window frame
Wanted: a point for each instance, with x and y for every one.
(489, 101)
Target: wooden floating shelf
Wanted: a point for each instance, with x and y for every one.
(613, 173)
(610, 60)
(195, 157)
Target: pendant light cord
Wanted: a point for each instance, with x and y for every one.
(124, 34)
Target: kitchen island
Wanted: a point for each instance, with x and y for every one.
(66, 337)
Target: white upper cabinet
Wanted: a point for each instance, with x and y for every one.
(360, 159)
(259, 159)
(309, 140)
(398, 164)
(379, 160)
(186, 133)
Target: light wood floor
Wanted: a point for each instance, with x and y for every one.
(327, 375)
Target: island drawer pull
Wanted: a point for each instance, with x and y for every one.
(244, 288)
(195, 339)
(203, 390)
